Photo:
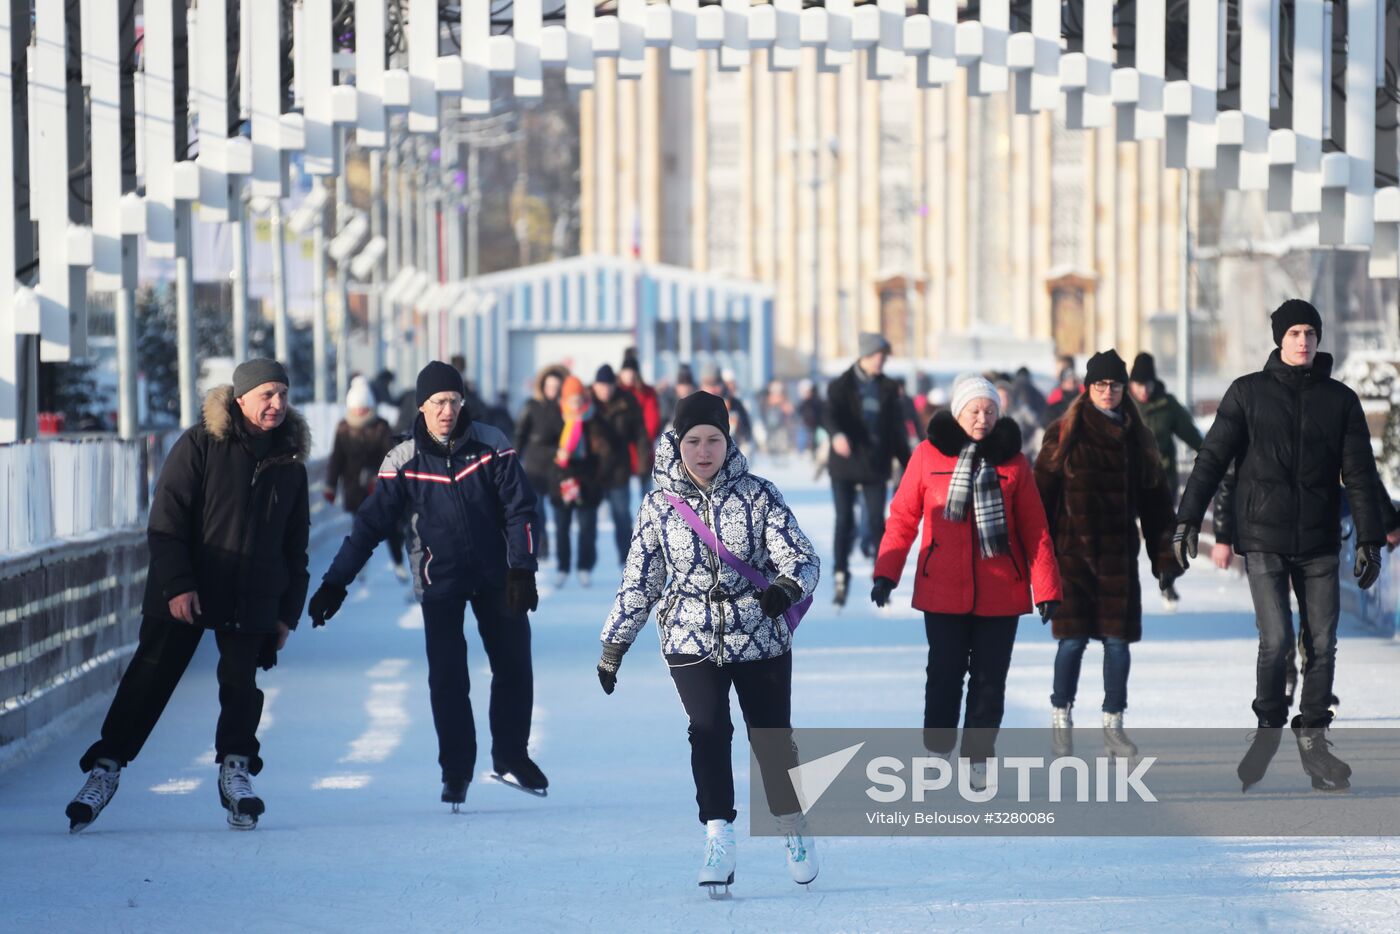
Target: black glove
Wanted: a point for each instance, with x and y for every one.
(1167, 578)
(267, 652)
(608, 665)
(1184, 543)
(880, 593)
(521, 595)
(776, 599)
(324, 603)
(1368, 565)
(1047, 610)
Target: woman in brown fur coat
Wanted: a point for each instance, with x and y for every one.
(1100, 478)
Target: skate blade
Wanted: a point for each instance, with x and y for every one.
(719, 891)
(241, 821)
(1320, 784)
(509, 780)
(79, 827)
(77, 823)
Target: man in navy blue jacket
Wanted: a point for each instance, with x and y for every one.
(470, 513)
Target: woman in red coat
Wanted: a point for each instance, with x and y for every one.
(985, 548)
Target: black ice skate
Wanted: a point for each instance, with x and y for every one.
(1263, 743)
(843, 584)
(1328, 773)
(524, 775)
(454, 792)
(236, 794)
(99, 788)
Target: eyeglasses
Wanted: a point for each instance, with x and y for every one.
(440, 404)
(1108, 385)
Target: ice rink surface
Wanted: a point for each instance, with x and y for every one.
(355, 838)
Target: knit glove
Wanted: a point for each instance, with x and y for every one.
(325, 602)
(880, 593)
(521, 595)
(778, 597)
(609, 663)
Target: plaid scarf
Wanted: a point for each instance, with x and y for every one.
(975, 481)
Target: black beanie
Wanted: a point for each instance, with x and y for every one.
(605, 375)
(1293, 312)
(250, 374)
(1105, 365)
(700, 408)
(1144, 369)
(438, 377)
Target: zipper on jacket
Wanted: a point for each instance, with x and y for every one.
(716, 612)
(928, 555)
(1297, 460)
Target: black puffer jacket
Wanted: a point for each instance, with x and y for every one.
(871, 455)
(1291, 432)
(537, 432)
(231, 527)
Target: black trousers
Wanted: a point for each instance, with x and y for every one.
(163, 652)
(977, 648)
(1314, 579)
(506, 637)
(843, 495)
(587, 535)
(765, 697)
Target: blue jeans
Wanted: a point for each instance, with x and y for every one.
(1116, 662)
(619, 501)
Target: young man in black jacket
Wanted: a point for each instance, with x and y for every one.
(227, 535)
(472, 541)
(865, 420)
(1291, 430)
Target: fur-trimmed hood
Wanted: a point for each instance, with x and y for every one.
(221, 414)
(1002, 443)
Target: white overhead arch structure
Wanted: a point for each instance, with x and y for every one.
(1284, 107)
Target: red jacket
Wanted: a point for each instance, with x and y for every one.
(651, 417)
(951, 575)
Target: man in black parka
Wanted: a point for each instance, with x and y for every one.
(1291, 430)
(227, 536)
(865, 420)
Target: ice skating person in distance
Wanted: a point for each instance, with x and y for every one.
(471, 516)
(984, 555)
(228, 531)
(362, 439)
(865, 420)
(721, 625)
(1100, 478)
(1291, 430)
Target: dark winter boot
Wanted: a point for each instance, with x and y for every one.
(523, 774)
(1263, 743)
(454, 792)
(1328, 773)
(843, 584)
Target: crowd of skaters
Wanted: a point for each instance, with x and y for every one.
(1023, 504)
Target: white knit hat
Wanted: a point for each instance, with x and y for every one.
(359, 396)
(969, 388)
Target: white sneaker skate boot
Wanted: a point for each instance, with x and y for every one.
(717, 873)
(1061, 731)
(585, 578)
(1115, 741)
(99, 788)
(558, 579)
(401, 573)
(236, 793)
(801, 849)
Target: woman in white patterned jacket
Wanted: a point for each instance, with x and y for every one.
(717, 628)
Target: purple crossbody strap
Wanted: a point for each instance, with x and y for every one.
(709, 538)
